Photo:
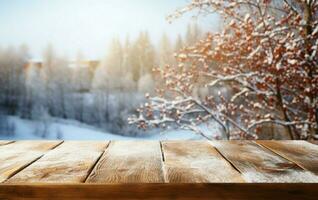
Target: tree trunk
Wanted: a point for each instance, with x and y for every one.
(279, 96)
(313, 109)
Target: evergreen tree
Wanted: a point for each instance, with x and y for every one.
(193, 33)
(179, 44)
(143, 56)
(106, 75)
(12, 63)
(165, 51)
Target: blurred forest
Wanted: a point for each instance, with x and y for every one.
(102, 93)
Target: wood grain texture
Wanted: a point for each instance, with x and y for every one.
(15, 156)
(129, 162)
(4, 142)
(302, 153)
(69, 163)
(217, 191)
(258, 164)
(196, 162)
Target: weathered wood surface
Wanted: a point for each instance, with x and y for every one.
(258, 164)
(71, 162)
(302, 153)
(129, 162)
(16, 156)
(200, 191)
(196, 162)
(158, 170)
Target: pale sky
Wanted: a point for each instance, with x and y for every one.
(87, 25)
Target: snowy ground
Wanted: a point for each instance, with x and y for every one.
(73, 130)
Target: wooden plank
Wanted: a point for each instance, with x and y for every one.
(69, 163)
(129, 162)
(217, 191)
(302, 153)
(258, 164)
(4, 142)
(196, 162)
(16, 156)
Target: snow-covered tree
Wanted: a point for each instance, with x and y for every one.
(55, 77)
(142, 56)
(146, 84)
(193, 33)
(81, 74)
(109, 74)
(179, 44)
(165, 51)
(264, 65)
(34, 99)
(12, 63)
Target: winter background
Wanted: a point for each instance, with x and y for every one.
(78, 69)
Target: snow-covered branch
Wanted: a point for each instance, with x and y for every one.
(263, 63)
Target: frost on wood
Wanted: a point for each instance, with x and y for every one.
(265, 59)
(258, 164)
(70, 162)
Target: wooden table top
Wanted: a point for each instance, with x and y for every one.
(33, 169)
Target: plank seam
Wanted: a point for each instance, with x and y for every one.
(162, 153)
(95, 164)
(224, 157)
(280, 155)
(163, 168)
(33, 161)
(10, 142)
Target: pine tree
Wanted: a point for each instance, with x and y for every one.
(179, 44)
(165, 51)
(143, 56)
(193, 33)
